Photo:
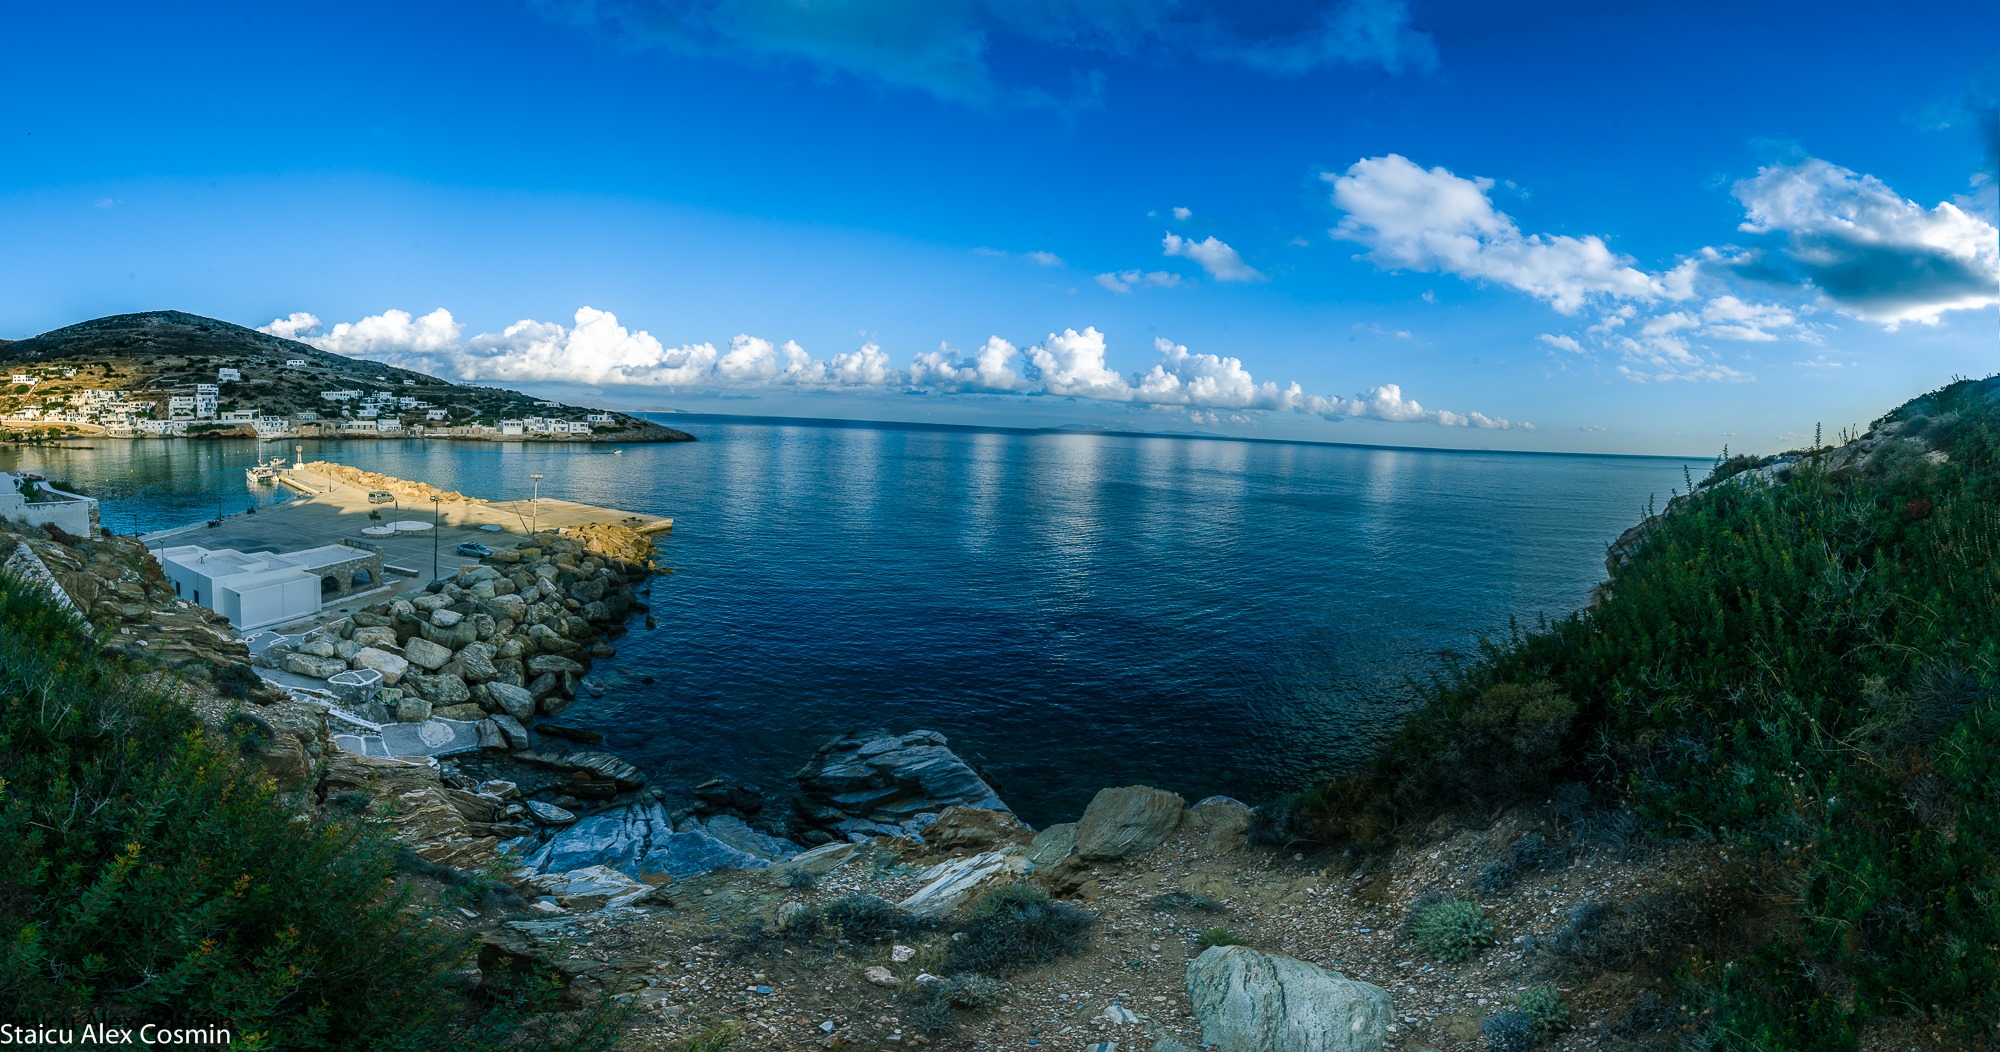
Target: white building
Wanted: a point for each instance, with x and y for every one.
(223, 376)
(204, 406)
(174, 428)
(340, 396)
(599, 418)
(511, 427)
(295, 363)
(264, 588)
(240, 416)
(180, 406)
(23, 378)
(434, 414)
(69, 512)
(271, 425)
(207, 389)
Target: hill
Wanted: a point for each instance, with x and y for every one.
(122, 375)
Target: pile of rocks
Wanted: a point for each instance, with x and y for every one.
(499, 643)
(404, 488)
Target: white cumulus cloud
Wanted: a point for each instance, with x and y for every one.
(1127, 280)
(1074, 363)
(1222, 262)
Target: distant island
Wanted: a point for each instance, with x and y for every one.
(169, 374)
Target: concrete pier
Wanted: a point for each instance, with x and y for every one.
(329, 510)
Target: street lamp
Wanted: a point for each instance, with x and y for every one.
(535, 506)
(437, 519)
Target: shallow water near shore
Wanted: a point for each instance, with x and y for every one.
(1073, 610)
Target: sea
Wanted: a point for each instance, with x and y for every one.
(1073, 610)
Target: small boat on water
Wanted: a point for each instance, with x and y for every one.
(265, 473)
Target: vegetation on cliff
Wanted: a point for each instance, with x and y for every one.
(154, 877)
(1801, 663)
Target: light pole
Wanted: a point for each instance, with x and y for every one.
(535, 506)
(437, 519)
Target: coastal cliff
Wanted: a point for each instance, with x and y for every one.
(1743, 801)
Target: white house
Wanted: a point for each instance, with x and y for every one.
(599, 418)
(240, 416)
(207, 389)
(511, 427)
(42, 504)
(340, 396)
(264, 588)
(225, 375)
(389, 425)
(180, 406)
(295, 363)
(23, 378)
(204, 405)
(434, 414)
(163, 428)
(271, 425)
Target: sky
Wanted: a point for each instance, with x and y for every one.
(1569, 225)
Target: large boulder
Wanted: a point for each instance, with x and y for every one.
(316, 667)
(1251, 1001)
(975, 829)
(949, 885)
(374, 636)
(1221, 823)
(544, 664)
(517, 702)
(392, 667)
(444, 689)
(426, 654)
(873, 782)
(475, 663)
(1127, 821)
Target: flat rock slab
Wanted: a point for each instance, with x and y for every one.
(638, 840)
(435, 737)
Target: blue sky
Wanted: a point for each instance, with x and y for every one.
(1660, 229)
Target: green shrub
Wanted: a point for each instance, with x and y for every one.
(153, 875)
(1211, 937)
(1452, 930)
(1015, 928)
(866, 918)
(1508, 1031)
(1186, 902)
(1545, 1011)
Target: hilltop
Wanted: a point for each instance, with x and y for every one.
(121, 375)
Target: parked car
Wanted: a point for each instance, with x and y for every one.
(376, 496)
(474, 548)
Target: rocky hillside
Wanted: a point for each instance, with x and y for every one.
(158, 354)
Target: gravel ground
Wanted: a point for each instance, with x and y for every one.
(693, 976)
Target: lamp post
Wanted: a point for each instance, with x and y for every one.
(535, 506)
(437, 520)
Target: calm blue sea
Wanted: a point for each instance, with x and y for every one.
(1073, 610)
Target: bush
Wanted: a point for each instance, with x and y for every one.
(860, 918)
(153, 875)
(1545, 1011)
(1211, 937)
(1452, 930)
(1015, 928)
(799, 878)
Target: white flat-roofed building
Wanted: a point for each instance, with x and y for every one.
(24, 378)
(599, 418)
(44, 504)
(434, 414)
(295, 363)
(207, 389)
(512, 427)
(227, 375)
(254, 589)
(240, 416)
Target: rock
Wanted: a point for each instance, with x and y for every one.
(355, 688)
(374, 637)
(426, 654)
(1251, 1001)
(392, 667)
(345, 649)
(444, 688)
(825, 859)
(446, 618)
(507, 608)
(592, 887)
(1222, 823)
(511, 729)
(1127, 821)
(412, 801)
(549, 814)
(721, 795)
(553, 705)
(638, 840)
(877, 975)
(1052, 845)
(320, 648)
(514, 701)
(413, 710)
(600, 766)
(542, 664)
(315, 667)
(490, 736)
(458, 635)
(501, 788)
(476, 807)
(430, 603)
(475, 663)
(901, 953)
(949, 885)
(545, 684)
(887, 781)
(737, 833)
(975, 829)
(463, 711)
